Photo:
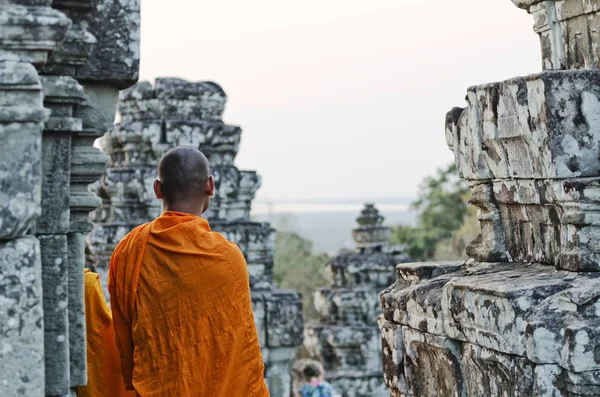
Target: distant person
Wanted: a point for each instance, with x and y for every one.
(180, 296)
(103, 369)
(316, 386)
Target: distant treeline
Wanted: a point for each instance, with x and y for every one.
(446, 223)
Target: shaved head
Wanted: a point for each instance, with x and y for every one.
(184, 175)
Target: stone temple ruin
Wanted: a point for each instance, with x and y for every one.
(155, 119)
(521, 317)
(346, 340)
(62, 64)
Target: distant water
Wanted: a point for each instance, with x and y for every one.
(327, 224)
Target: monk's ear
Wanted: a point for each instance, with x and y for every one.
(210, 186)
(158, 189)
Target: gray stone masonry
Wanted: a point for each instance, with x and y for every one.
(346, 339)
(521, 317)
(60, 72)
(173, 113)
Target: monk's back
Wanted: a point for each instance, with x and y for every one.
(193, 329)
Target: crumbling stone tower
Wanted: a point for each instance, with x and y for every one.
(173, 113)
(521, 317)
(346, 339)
(62, 64)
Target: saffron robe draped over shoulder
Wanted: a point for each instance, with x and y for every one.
(104, 371)
(180, 297)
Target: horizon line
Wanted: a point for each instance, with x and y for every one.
(337, 200)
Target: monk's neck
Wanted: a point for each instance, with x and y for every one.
(184, 208)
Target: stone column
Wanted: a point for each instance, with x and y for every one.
(61, 95)
(30, 30)
(346, 339)
(173, 113)
(519, 316)
(43, 351)
(113, 65)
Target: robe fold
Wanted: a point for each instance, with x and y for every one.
(104, 372)
(180, 296)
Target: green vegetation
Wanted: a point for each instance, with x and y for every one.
(446, 223)
(298, 268)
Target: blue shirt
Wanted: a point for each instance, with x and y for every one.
(324, 389)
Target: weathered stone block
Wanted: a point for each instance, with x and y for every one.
(21, 318)
(489, 373)
(525, 110)
(358, 384)
(56, 160)
(130, 192)
(544, 168)
(432, 365)
(75, 49)
(580, 384)
(277, 370)
(31, 31)
(492, 310)
(490, 243)
(418, 306)
(234, 192)
(392, 358)
(283, 315)
(20, 182)
(21, 117)
(554, 381)
(174, 99)
(366, 268)
(187, 100)
(347, 305)
(344, 348)
(217, 140)
(115, 57)
(415, 298)
(565, 328)
(76, 309)
(546, 381)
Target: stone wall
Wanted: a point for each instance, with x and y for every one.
(520, 317)
(62, 64)
(346, 339)
(155, 119)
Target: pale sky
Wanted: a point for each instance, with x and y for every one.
(339, 98)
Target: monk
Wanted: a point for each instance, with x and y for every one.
(180, 296)
(104, 371)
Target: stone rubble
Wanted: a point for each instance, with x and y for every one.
(345, 339)
(521, 317)
(155, 119)
(60, 73)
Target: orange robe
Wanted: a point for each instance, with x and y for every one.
(104, 371)
(180, 297)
